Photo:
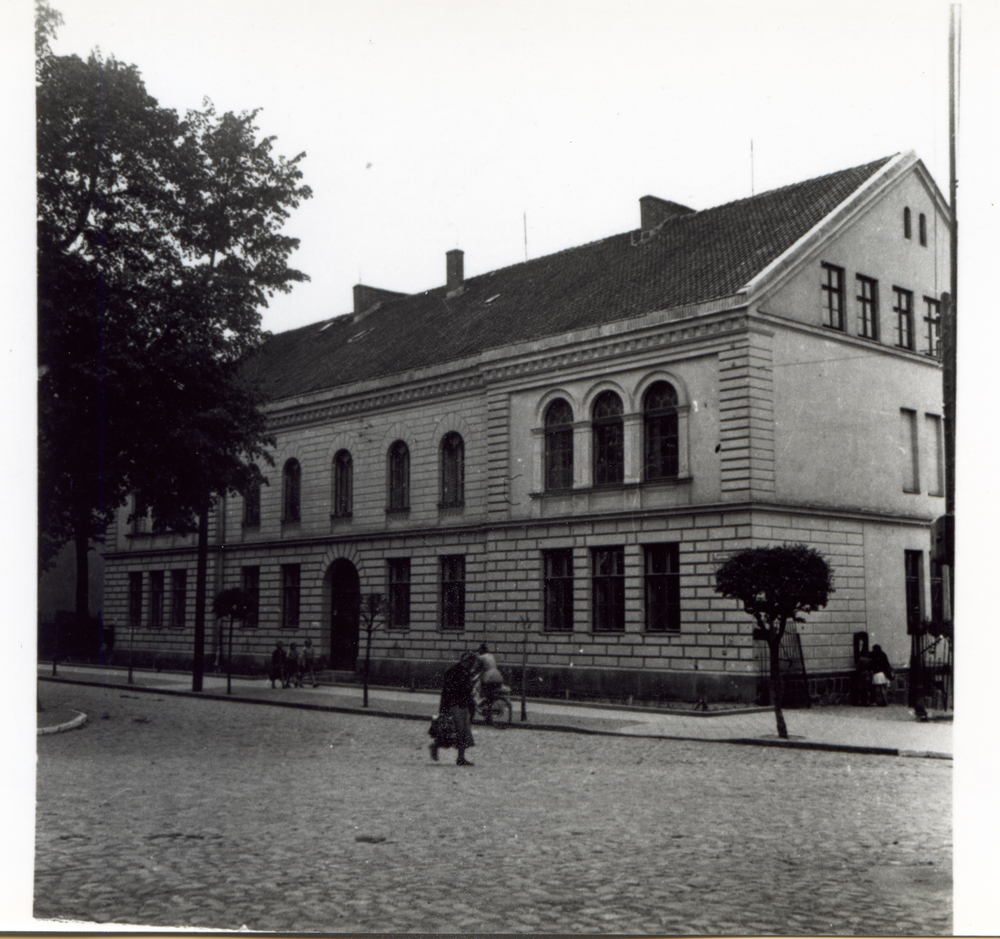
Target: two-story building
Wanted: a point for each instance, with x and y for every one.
(562, 452)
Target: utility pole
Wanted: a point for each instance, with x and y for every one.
(949, 330)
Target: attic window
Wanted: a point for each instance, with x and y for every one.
(491, 299)
(326, 326)
(356, 336)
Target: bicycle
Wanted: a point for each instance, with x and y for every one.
(500, 711)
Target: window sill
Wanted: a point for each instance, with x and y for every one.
(341, 516)
(405, 511)
(617, 487)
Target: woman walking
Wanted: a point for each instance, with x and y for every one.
(457, 703)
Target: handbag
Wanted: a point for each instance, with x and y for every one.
(442, 729)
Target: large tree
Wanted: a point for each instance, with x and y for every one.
(776, 584)
(158, 245)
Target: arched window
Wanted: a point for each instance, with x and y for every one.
(251, 505)
(922, 222)
(907, 227)
(399, 477)
(659, 415)
(452, 470)
(293, 491)
(343, 484)
(559, 445)
(609, 440)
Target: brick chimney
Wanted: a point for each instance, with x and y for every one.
(368, 298)
(654, 211)
(455, 267)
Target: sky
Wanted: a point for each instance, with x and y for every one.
(515, 127)
(506, 128)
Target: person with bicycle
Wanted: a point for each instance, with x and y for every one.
(490, 680)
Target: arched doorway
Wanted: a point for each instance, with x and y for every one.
(344, 588)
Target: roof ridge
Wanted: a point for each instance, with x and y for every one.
(875, 164)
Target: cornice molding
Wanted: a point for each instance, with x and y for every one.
(479, 529)
(614, 347)
(519, 365)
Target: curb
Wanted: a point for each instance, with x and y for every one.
(77, 721)
(514, 725)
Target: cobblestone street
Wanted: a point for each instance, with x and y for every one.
(173, 811)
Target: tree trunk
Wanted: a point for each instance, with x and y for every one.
(82, 617)
(200, 592)
(368, 658)
(774, 645)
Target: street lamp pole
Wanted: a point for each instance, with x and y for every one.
(524, 666)
(229, 659)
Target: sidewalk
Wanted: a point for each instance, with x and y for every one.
(890, 731)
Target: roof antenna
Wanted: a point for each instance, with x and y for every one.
(525, 235)
(751, 166)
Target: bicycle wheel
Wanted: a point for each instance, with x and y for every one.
(501, 712)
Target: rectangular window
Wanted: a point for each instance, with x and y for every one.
(914, 563)
(251, 586)
(290, 578)
(867, 307)
(135, 599)
(933, 425)
(833, 296)
(908, 447)
(663, 588)
(609, 589)
(558, 576)
(399, 593)
(932, 334)
(178, 606)
(937, 592)
(453, 592)
(155, 599)
(903, 308)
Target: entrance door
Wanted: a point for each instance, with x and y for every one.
(345, 609)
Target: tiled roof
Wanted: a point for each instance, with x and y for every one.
(692, 258)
